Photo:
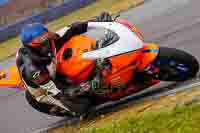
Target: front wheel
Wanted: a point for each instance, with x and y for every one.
(175, 65)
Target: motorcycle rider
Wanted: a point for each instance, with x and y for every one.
(36, 60)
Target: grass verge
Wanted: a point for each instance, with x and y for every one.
(9, 48)
(180, 120)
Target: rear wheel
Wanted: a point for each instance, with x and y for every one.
(175, 65)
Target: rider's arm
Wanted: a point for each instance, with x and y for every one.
(75, 29)
(81, 27)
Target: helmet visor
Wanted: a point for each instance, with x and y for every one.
(44, 47)
(44, 40)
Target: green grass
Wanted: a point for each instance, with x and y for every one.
(180, 120)
(8, 48)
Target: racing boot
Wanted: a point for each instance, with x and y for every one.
(72, 106)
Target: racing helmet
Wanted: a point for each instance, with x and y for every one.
(37, 37)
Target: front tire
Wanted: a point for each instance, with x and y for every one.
(175, 65)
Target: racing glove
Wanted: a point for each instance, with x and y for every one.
(103, 17)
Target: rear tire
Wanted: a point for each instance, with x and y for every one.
(176, 65)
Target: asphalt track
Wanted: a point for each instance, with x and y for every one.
(173, 23)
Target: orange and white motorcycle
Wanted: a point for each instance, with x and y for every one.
(134, 65)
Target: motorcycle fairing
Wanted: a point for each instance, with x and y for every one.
(132, 27)
(123, 70)
(75, 67)
(128, 41)
(149, 53)
(79, 70)
(10, 78)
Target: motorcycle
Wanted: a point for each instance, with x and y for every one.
(133, 65)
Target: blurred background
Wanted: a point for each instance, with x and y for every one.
(14, 14)
(12, 10)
